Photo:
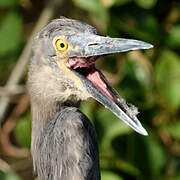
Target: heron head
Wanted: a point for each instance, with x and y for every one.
(68, 49)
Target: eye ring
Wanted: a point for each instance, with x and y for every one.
(61, 44)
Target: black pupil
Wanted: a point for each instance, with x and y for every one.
(62, 45)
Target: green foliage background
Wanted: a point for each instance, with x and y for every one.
(148, 79)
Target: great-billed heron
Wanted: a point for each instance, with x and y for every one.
(61, 74)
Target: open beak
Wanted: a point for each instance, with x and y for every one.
(94, 82)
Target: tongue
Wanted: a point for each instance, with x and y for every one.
(95, 78)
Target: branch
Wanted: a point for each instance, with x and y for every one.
(5, 142)
(14, 90)
(19, 68)
(4, 166)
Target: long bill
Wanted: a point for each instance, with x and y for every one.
(95, 83)
(95, 45)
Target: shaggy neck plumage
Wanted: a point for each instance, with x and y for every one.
(64, 145)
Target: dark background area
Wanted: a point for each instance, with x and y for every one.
(148, 79)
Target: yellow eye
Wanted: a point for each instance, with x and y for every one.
(61, 44)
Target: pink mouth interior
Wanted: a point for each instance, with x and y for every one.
(75, 63)
(89, 72)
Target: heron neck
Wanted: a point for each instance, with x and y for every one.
(44, 112)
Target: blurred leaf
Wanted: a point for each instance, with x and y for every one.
(9, 176)
(98, 13)
(87, 108)
(10, 32)
(155, 154)
(92, 6)
(107, 3)
(129, 168)
(148, 155)
(108, 175)
(174, 130)
(147, 4)
(177, 176)
(167, 74)
(149, 24)
(173, 38)
(122, 2)
(22, 131)
(100, 19)
(131, 29)
(111, 125)
(136, 84)
(173, 166)
(8, 3)
(113, 162)
(137, 72)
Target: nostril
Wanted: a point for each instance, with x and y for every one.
(93, 44)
